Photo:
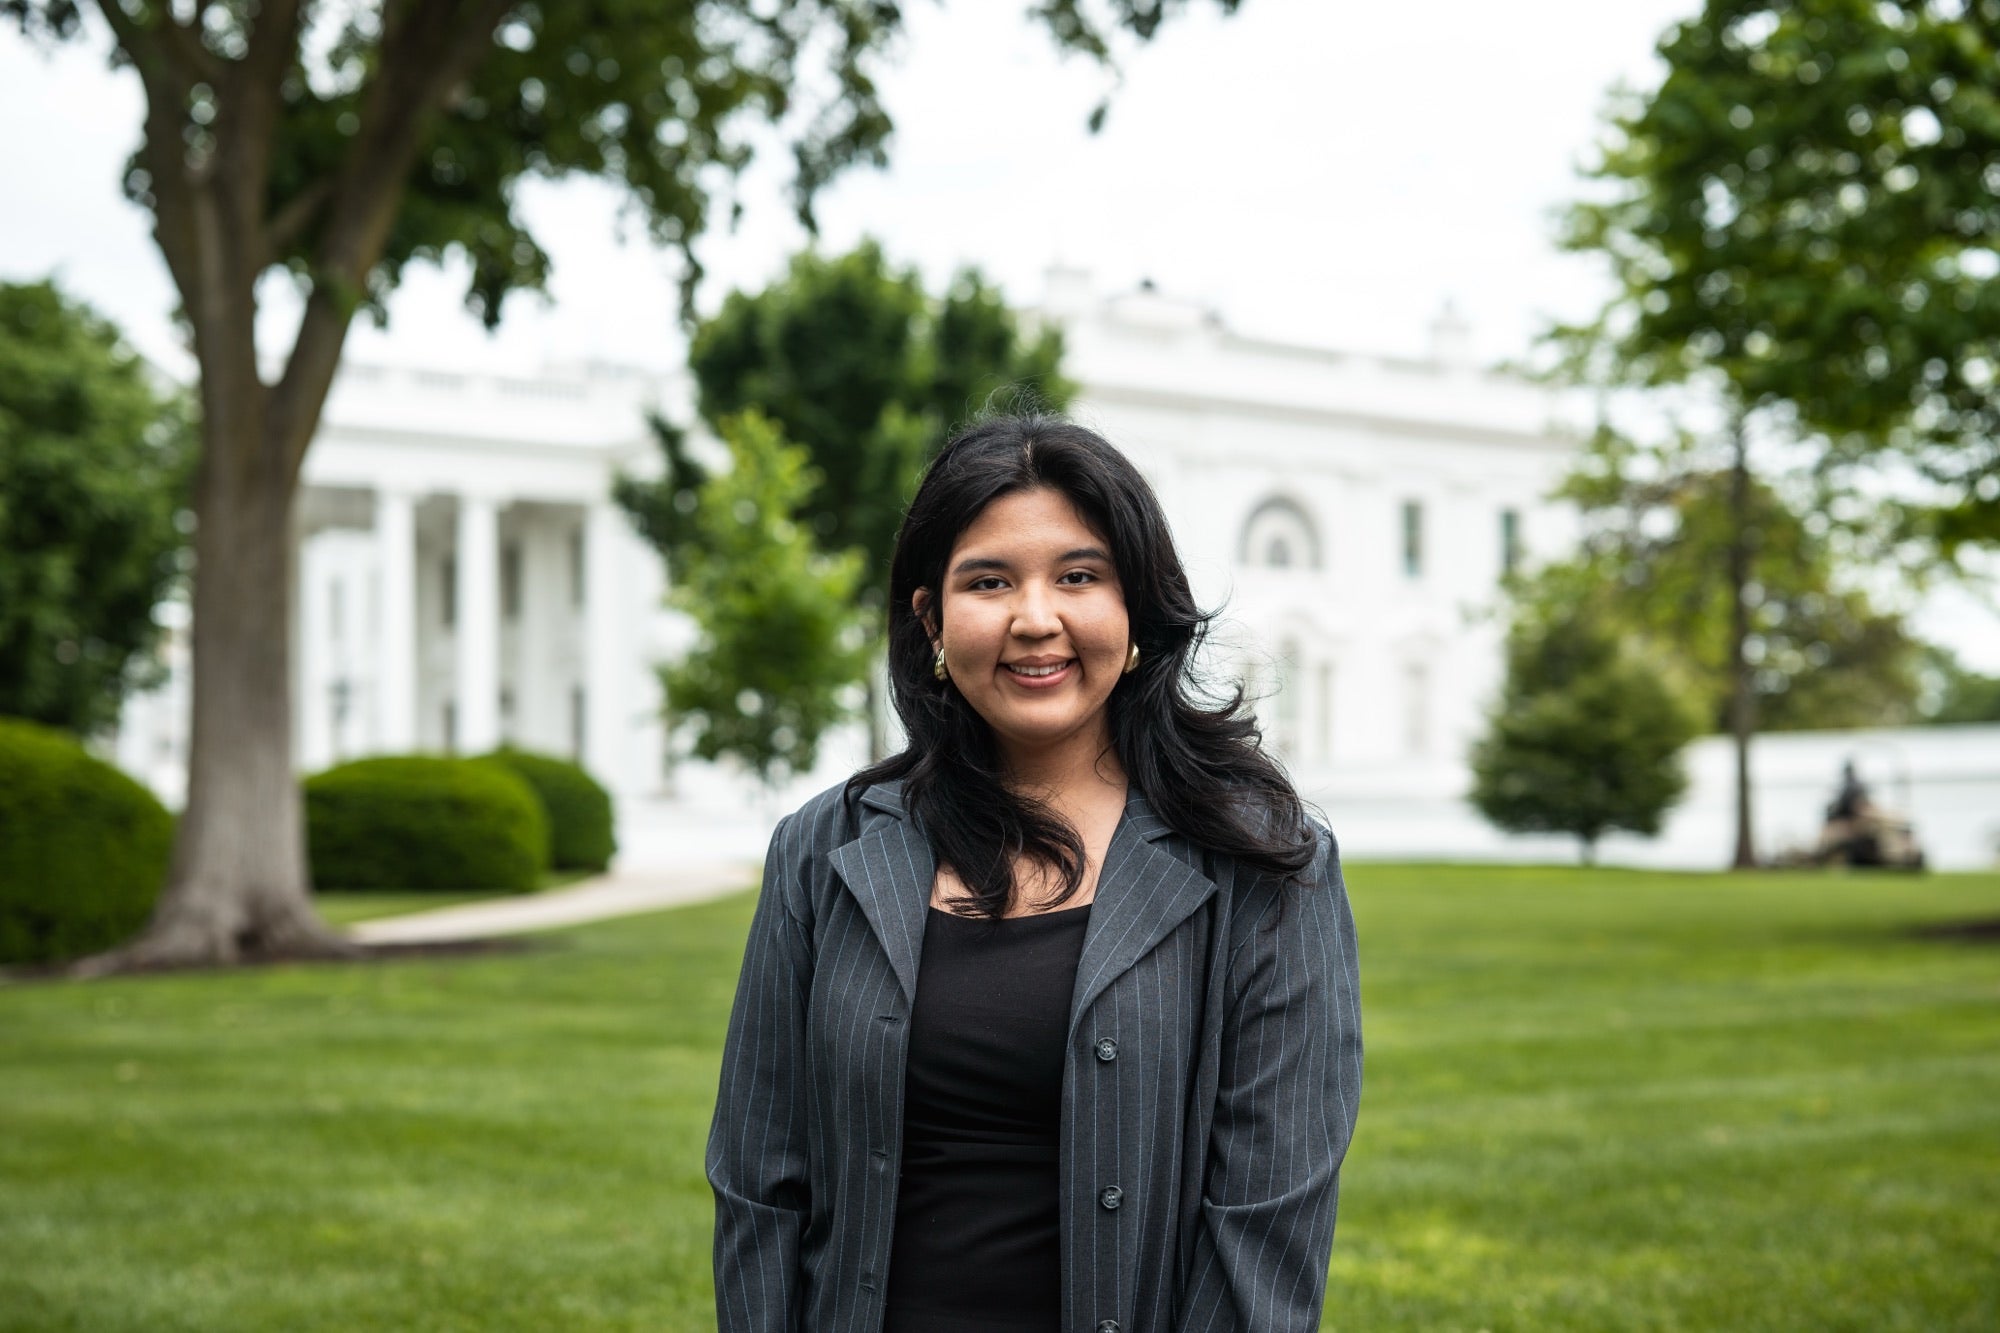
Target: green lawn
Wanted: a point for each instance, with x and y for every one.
(1596, 1100)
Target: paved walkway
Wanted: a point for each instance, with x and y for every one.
(620, 893)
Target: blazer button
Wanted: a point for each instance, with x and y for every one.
(1107, 1326)
(1107, 1049)
(1111, 1196)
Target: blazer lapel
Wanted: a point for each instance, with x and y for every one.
(889, 869)
(1143, 893)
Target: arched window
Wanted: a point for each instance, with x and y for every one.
(1279, 534)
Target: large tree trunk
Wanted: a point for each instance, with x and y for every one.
(1742, 695)
(238, 888)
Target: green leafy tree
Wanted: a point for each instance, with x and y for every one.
(1806, 206)
(780, 638)
(337, 144)
(93, 471)
(1586, 737)
(1660, 529)
(862, 367)
(1956, 693)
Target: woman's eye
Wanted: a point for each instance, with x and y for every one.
(986, 584)
(1078, 576)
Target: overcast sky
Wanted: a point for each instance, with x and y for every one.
(1325, 172)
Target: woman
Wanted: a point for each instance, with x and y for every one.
(1049, 1021)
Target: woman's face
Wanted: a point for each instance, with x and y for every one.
(1033, 622)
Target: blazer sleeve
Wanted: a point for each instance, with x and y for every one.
(1286, 1100)
(757, 1154)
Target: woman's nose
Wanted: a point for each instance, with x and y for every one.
(1034, 614)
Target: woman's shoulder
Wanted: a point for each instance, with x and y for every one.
(838, 814)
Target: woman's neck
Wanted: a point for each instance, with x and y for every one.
(1073, 780)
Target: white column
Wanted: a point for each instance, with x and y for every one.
(605, 710)
(396, 635)
(311, 657)
(477, 699)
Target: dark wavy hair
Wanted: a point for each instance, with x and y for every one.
(1196, 760)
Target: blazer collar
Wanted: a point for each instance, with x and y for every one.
(1144, 891)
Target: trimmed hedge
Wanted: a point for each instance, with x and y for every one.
(581, 836)
(424, 822)
(83, 848)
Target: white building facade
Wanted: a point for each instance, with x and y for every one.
(465, 579)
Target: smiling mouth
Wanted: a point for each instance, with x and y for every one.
(1039, 672)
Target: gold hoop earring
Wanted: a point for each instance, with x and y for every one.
(937, 667)
(1132, 660)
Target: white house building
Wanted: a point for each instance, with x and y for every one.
(465, 578)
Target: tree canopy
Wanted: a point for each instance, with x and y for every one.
(1806, 207)
(1586, 735)
(1658, 526)
(780, 641)
(868, 372)
(93, 474)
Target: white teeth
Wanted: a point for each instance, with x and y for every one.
(1038, 671)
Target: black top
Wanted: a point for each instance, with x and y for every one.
(977, 1244)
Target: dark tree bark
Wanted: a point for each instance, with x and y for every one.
(238, 887)
(1742, 698)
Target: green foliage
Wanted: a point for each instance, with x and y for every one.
(93, 468)
(664, 99)
(83, 848)
(854, 361)
(581, 832)
(1586, 736)
(1956, 693)
(425, 822)
(1806, 205)
(1658, 525)
(780, 638)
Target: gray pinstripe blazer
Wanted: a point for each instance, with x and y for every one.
(1209, 1091)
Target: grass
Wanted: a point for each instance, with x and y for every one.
(1596, 1100)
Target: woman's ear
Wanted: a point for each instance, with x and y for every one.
(920, 603)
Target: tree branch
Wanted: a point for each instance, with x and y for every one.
(428, 48)
(285, 226)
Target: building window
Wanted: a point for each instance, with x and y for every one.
(336, 611)
(576, 720)
(1279, 534)
(1326, 710)
(510, 580)
(576, 567)
(450, 727)
(1288, 699)
(1510, 541)
(1416, 707)
(450, 601)
(1413, 538)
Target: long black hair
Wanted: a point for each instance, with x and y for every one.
(1197, 761)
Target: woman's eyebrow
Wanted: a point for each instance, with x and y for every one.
(975, 564)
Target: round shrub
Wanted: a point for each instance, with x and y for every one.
(424, 822)
(83, 848)
(580, 825)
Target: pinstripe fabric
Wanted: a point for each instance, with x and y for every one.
(1220, 1116)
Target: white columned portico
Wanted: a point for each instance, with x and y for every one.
(396, 635)
(476, 700)
(603, 647)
